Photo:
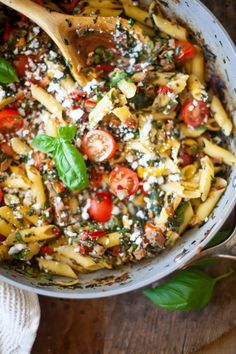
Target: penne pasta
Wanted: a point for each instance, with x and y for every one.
(57, 268)
(37, 185)
(220, 116)
(218, 153)
(172, 29)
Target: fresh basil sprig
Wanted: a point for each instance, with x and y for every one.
(191, 289)
(8, 74)
(68, 160)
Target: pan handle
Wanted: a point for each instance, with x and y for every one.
(226, 249)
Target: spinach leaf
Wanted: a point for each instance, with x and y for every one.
(70, 166)
(191, 289)
(68, 160)
(7, 72)
(44, 143)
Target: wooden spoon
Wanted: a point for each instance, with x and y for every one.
(68, 32)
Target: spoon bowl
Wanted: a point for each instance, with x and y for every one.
(70, 33)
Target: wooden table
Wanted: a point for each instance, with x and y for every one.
(130, 324)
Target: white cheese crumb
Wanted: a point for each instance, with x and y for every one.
(18, 247)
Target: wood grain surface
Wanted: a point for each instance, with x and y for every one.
(130, 324)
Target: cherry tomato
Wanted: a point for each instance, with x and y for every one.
(89, 105)
(77, 96)
(96, 234)
(186, 159)
(100, 208)
(122, 178)
(2, 239)
(46, 250)
(1, 195)
(10, 121)
(164, 89)
(184, 50)
(21, 63)
(194, 113)
(99, 145)
(104, 67)
(7, 149)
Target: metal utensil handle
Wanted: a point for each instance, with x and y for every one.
(226, 249)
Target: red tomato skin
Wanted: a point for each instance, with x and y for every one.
(100, 208)
(7, 149)
(1, 195)
(104, 67)
(164, 89)
(2, 239)
(101, 134)
(186, 159)
(46, 250)
(10, 121)
(187, 51)
(89, 105)
(122, 173)
(96, 179)
(196, 115)
(97, 234)
(7, 31)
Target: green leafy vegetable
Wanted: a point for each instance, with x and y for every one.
(191, 289)
(68, 160)
(7, 72)
(116, 76)
(44, 143)
(18, 237)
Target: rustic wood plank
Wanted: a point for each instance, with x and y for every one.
(130, 323)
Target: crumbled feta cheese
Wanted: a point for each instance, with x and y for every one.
(76, 114)
(85, 214)
(18, 247)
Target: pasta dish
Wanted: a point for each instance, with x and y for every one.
(114, 171)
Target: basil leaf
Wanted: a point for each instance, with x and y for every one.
(44, 143)
(191, 289)
(67, 132)
(70, 166)
(7, 72)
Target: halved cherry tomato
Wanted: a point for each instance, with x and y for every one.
(184, 50)
(89, 105)
(2, 239)
(100, 208)
(104, 67)
(96, 234)
(164, 89)
(123, 179)
(10, 121)
(194, 113)
(1, 195)
(99, 145)
(186, 159)
(7, 149)
(46, 250)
